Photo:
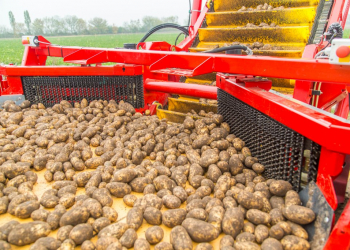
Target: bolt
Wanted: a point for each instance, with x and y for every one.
(331, 59)
(326, 219)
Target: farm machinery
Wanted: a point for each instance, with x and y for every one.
(278, 73)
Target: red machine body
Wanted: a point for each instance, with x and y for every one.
(162, 65)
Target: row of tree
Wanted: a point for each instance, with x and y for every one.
(73, 25)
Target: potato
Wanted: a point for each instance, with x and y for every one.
(118, 189)
(103, 196)
(154, 234)
(195, 203)
(277, 202)
(93, 207)
(248, 227)
(153, 216)
(261, 233)
(103, 242)
(298, 230)
(198, 213)
(116, 230)
(4, 203)
(180, 193)
(258, 217)
(134, 218)
(233, 222)
(285, 226)
(292, 198)
(110, 213)
(200, 231)
(276, 216)
(27, 233)
(180, 239)
(204, 246)
(151, 200)
(276, 232)
(293, 242)
(88, 245)
(129, 200)
(63, 232)
(246, 245)
(81, 233)
(173, 217)
(258, 168)
(163, 246)
(225, 241)
(47, 243)
(100, 223)
(75, 216)
(235, 165)
(280, 187)
(6, 228)
(129, 237)
(271, 244)
(4, 245)
(141, 244)
(249, 200)
(39, 215)
(299, 214)
(171, 201)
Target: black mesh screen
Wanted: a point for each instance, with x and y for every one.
(51, 90)
(277, 147)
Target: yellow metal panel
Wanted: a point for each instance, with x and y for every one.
(227, 5)
(185, 106)
(286, 17)
(295, 34)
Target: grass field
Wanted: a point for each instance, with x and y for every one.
(11, 50)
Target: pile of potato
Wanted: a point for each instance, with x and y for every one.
(196, 178)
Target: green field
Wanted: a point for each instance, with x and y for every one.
(11, 50)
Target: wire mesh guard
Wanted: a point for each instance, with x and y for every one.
(51, 90)
(278, 148)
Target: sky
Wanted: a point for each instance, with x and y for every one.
(114, 11)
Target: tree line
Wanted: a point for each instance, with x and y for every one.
(73, 25)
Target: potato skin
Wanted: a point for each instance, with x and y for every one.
(261, 233)
(280, 187)
(153, 216)
(271, 244)
(249, 201)
(180, 239)
(292, 198)
(291, 242)
(154, 234)
(233, 222)
(258, 217)
(299, 214)
(173, 217)
(200, 231)
(142, 244)
(27, 233)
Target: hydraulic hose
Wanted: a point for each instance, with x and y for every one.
(222, 49)
(164, 26)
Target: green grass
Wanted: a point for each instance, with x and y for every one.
(11, 50)
(346, 33)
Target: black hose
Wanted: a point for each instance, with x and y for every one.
(163, 26)
(222, 49)
(178, 37)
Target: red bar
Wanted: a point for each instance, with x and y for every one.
(298, 69)
(195, 90)
(196, 10)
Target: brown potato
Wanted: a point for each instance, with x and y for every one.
(27, 233)
(75, 216)
(299, 214)
(142, 244)
(63, 232)
(233, 222)
(100, 223)
(154, 234)
(290, 242)
(245, 236)
(110, 213)
(6, 228)
(258, 217)
(249, 200)
(246, 245)
(261, 233)
(200, 231)
(115, 230)
(88, 245)
(180, 239)
(280, 187)
(171, 201)
(173, 217)
(81, 233)
(198, 213)
(276, 232)
(129, 237)
(271, 244)
(292, 198)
